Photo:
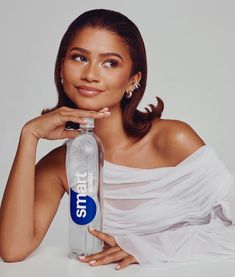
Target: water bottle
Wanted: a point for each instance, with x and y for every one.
(85, 170)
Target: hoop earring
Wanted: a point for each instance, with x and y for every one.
(128, 94)
(135, 86)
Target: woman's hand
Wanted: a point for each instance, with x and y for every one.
(52, 125)
(111, 253)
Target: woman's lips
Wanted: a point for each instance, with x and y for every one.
(88, 91)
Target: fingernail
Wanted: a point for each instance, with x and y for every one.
(91, 229)
(118, 266)
(92, 262)
(82, 257)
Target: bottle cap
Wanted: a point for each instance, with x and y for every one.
(89, 121)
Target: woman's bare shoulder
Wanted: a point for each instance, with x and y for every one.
(55, 156)
(175, 139)
(55, 162)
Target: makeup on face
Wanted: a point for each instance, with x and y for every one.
(96, 69)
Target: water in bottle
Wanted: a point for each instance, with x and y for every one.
(85, 169)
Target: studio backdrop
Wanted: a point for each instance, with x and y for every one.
(190, 50)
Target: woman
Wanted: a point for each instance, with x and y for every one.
(160, 194)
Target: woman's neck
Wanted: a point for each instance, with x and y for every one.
(112, 134)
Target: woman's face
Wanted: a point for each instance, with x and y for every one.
(98, 59)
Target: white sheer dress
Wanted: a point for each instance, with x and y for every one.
(171, 214)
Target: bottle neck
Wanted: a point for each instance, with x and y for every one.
(86, 130)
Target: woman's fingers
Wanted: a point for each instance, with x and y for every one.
(71, 109)
(99, 255)
(125, 262)
(83, 113)
(52, 125)
(67, 118)
(69, 134)
(113, 255)
(110, 258)
(104, 237)
(104, 109)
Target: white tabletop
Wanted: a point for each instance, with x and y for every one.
(53, 261)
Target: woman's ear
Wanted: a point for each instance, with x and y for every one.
(135, 79)
(138, 77)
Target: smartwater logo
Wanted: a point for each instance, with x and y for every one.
(82, 206)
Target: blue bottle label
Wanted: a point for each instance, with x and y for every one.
(82, 208)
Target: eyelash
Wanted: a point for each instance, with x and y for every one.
(115, 63)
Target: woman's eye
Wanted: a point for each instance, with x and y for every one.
(111, 63)
(79, 57)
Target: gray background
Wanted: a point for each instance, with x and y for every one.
(190, 47)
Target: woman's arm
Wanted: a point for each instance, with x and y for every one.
(32, 194)
(30, 201)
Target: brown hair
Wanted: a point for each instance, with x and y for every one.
(135, 122)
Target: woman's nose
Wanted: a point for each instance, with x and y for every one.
(90, 73)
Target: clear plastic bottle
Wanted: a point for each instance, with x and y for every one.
(85, 176)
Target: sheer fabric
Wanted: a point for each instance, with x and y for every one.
(171, 214)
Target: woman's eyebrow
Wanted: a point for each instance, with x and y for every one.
(101, 55)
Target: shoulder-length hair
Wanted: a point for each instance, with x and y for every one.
(136, 123)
